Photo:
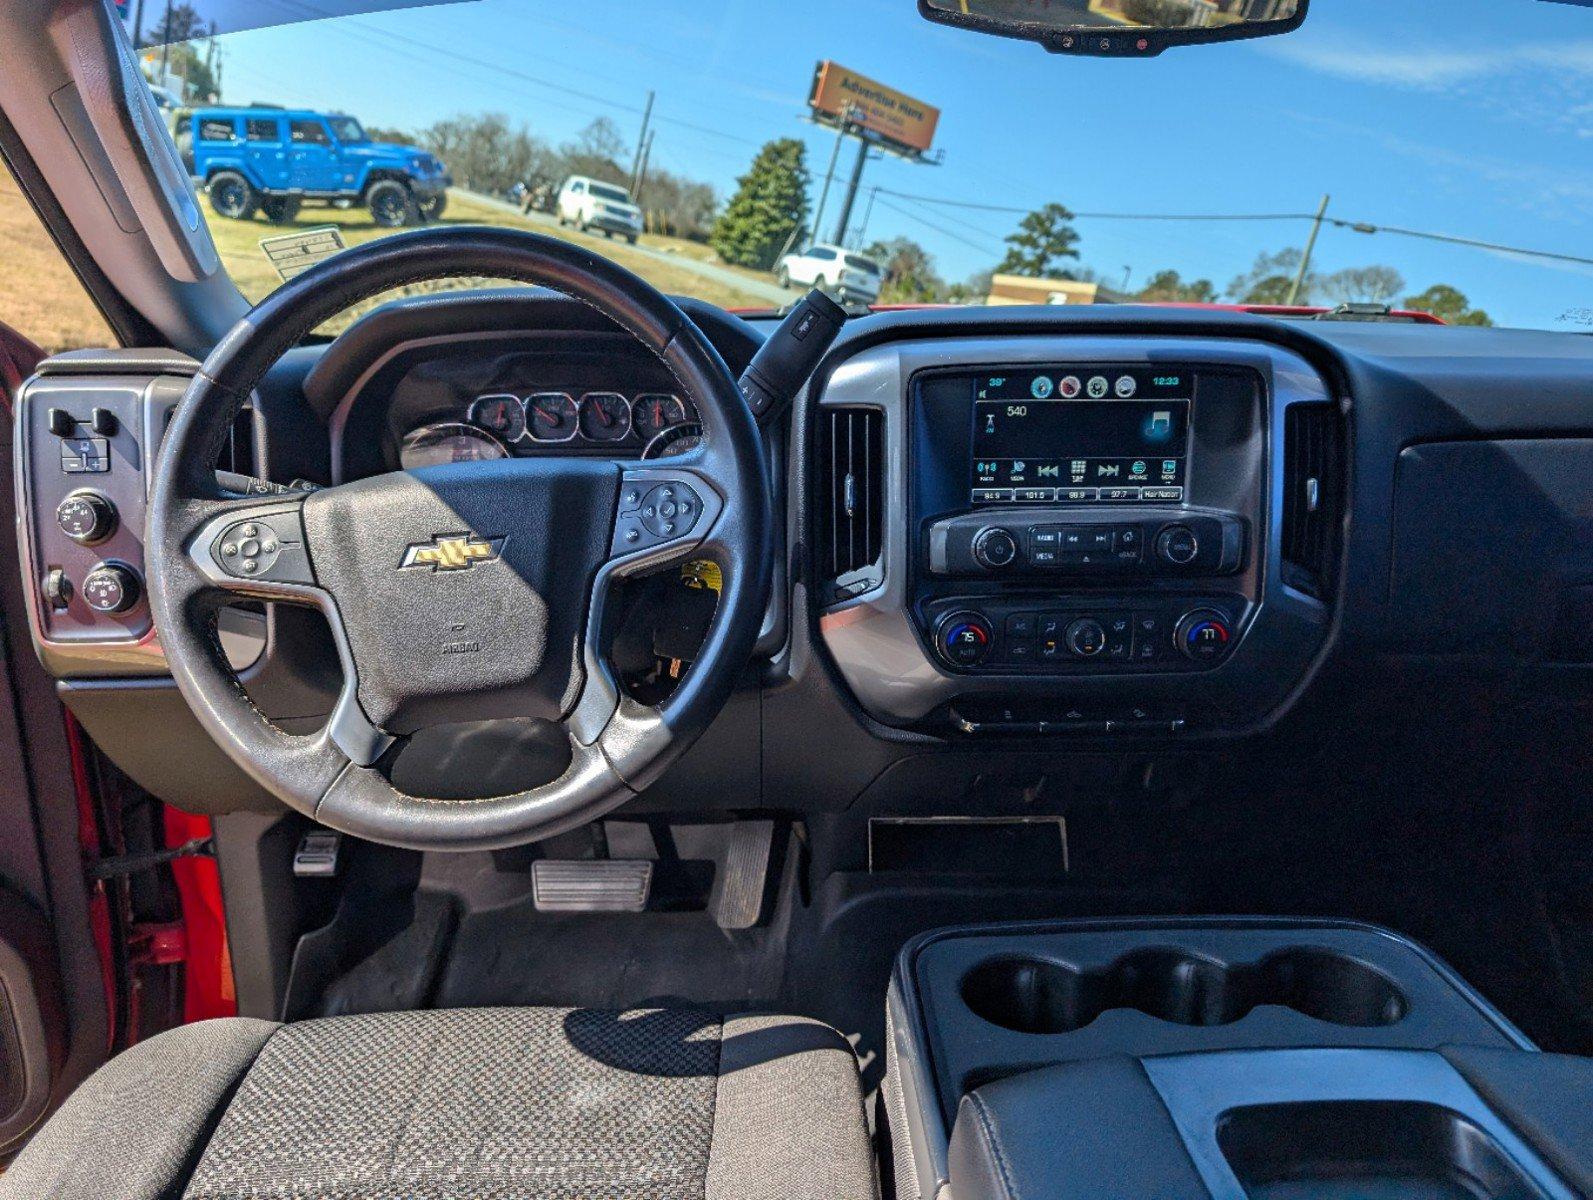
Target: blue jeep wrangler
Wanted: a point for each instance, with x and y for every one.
(272, 160)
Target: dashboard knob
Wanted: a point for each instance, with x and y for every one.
(964, 639)
(1178, 545)
(1085, 637)
(86, 517)
(1204, 635)
(112, 588)
(994, 549)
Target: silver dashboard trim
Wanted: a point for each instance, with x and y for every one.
(871, 637)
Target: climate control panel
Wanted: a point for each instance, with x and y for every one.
(1018, 636)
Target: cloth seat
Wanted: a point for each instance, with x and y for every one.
(470, 1104)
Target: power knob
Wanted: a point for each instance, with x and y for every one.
(111, 588)
(86, 517)
(994, 549)
(1178, 545)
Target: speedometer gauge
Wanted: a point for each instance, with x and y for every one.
(500, 415)
(448, 442)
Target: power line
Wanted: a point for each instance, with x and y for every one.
(940, 229)
(1338, 223)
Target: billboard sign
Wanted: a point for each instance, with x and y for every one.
(841, 95)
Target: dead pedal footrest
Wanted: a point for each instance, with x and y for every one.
(604, 885)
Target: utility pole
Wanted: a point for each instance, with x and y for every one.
(138, 24)
(829, 175)
(851, 192)
(1310, 245)
(641, 143)
(641, 168)
(165, 45)
(868, 213)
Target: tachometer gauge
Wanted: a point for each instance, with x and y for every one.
(551, 416)
(501, 416)
(448, 442)
(655, 412)
(605, 416)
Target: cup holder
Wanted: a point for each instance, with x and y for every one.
(1037, 995)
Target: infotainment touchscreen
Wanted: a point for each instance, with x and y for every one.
(1081, 435)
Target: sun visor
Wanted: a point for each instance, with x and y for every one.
(160, 23)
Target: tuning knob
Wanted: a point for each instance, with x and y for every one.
(1178, 545)
(994, 549)
(111, 588)
(86, 517)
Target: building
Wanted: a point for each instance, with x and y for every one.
(1025, 289)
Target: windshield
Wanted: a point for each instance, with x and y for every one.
(1430, 155)
(618, 195)
(347, 129)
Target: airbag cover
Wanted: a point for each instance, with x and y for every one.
(464, 588)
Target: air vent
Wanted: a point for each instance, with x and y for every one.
(1313, 496)
(851, 500)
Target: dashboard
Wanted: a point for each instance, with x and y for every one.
(1002, 529)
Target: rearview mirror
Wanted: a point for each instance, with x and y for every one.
(1130, 28)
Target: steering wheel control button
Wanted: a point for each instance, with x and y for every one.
(111, 588)
(652, 514)
(1178, 545)
(964, 639)
(995, 548)
(268, 547)
(86, 517)
(1204, 636)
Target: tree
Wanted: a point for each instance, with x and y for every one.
(909, 272)
(1363, 285)
(487, 154)
(596, 151)
(1270, 279)
(396, 137)
(1042, 238)
(1167, 287)
(179, 23)
(1448, 304)
(770, 206)
(679, 206)
(973, 290)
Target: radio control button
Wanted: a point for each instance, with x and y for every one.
(1178, 545)
(995, 548)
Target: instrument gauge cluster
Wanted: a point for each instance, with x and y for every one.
(553, 421)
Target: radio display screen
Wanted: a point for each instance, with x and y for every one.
(1081, 435)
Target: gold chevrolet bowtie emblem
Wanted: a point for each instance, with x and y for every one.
(453, 552)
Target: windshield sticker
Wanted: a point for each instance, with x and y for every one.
(295, 253)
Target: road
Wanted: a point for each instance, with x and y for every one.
(770, 291)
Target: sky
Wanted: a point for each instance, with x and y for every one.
(1471, 118)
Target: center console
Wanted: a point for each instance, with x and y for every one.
(1080, 535)
(1199, 1058)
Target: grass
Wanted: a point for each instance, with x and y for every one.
(239, 245)
(40, 297)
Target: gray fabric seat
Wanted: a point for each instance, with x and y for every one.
(477, 1104)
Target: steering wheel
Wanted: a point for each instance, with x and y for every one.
(464, 592)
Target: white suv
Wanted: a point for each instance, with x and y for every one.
(589, 203)
(832, 269)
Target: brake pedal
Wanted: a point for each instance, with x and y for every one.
(600, 885)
